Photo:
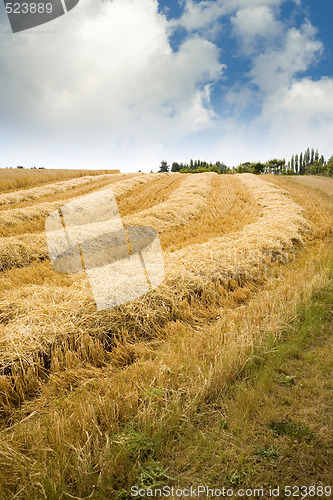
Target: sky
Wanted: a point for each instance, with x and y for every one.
(125, 84)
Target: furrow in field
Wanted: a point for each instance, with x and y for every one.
(182, 205)
(246, 254)
(312, 181)
(55, 188)
(150, 194)
(32, 218)
(19, 251)
(230, 206)
(22, 249)
(35, 316)
(316, 203)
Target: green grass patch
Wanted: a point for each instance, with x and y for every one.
(250, 436)
(292, 429)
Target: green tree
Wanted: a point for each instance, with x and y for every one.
(164, 167)
(329, 167)
(317, 168)
(175, 167)
(316, 155)
(276, 165)
(307, 157)
(244, 168)
(312, 159)
(301, 169)
(258, 168)
(221, 167)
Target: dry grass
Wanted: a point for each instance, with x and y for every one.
(129, 185)
(229, 207)
(182, 205)
(49, 189)
(199, 278)
(150, 194)
(26, 220)
(316, 203)
(72, 377)
(324, 184)
(245, 255)
(79, 414)
(22, 250)
(11, 179)
(31, 217)
(215, 354)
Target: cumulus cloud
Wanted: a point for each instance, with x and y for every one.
(252, 24)
(200, 15)
(301, 115)
(293, 112)
(107, 73)
(277, 67)
(102, 86)
(291, 119)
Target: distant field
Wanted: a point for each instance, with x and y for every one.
(11, 179)
(240, 251)
(315, 182)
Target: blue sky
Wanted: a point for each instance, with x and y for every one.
(128, 83)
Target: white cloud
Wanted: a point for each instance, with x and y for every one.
(301, 115)
(253, 23)
(102, 86)
(200, 15)
(239, 98)
(200, 114)
(106, 75)
(295, 112)
(278, 67)
(292, 119)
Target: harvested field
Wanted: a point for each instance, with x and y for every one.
(31, 217)
(228, 208)
(47, 190)
(195, 270)
(240, 252)
(20, 251)
(279, 229)
(11, 179)
(184, 203)
(315, 182)
(316, 203)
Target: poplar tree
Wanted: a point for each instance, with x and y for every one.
(307, 157)
(317, 155)
(301, 166)
(312, 157)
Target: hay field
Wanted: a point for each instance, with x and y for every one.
(325, 184)
(240, 252)
(13, 179)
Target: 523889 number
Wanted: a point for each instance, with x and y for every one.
(307, 491)
(29, 8)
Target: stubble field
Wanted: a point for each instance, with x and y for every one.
(241, 252)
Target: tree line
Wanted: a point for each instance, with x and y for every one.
(309, 162)
(195, 166)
